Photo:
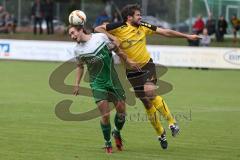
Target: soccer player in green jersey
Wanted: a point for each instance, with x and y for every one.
(94, 51)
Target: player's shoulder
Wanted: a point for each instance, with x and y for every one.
(100, 36)
(148, 25)
(112, 26)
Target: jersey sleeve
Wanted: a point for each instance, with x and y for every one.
(114, 27)
(108, 42)
(148, 28)
(105, 38)
(77, 58)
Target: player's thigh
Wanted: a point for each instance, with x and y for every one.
(150, 89)
(151, 80)
(99, 93)
(116, 94)
(140, 79)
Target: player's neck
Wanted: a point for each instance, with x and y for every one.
(132, 24)
(85, 37)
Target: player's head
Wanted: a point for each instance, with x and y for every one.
(131, 13)
(76, 32)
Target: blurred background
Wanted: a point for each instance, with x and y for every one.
(175, 14)
(205, 79)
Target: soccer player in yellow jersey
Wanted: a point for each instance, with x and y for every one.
(130, 35)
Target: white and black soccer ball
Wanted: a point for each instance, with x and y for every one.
(77, 17)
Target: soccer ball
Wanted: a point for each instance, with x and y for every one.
(77, 17)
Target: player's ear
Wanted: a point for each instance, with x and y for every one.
(129, 17)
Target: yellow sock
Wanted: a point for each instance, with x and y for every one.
(162, 107)
(154, 119)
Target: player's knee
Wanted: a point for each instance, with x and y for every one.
(149, 89)
(120, 107)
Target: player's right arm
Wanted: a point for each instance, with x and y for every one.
(103, 29)
(128, 61)
(79, 73)
(113, 27)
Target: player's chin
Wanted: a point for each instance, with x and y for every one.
(138, 23)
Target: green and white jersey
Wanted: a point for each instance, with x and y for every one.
(98, 58)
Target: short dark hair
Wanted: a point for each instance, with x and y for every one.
(129, 10)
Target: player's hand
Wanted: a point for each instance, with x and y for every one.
(194, 37)
(115, 41)
(76, 90)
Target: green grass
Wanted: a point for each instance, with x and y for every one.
(206, 104)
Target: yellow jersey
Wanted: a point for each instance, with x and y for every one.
(133, 39)
(235, 22)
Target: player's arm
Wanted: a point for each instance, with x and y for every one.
(103, 29)
(114, 47)
(172, 33)
(124, 57)
(79, 73)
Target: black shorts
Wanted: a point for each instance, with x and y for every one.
(139, 78)
(237, 27)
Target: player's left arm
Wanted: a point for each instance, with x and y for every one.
(172, 33)
(79, 74)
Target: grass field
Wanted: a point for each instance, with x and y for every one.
(206, 103)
